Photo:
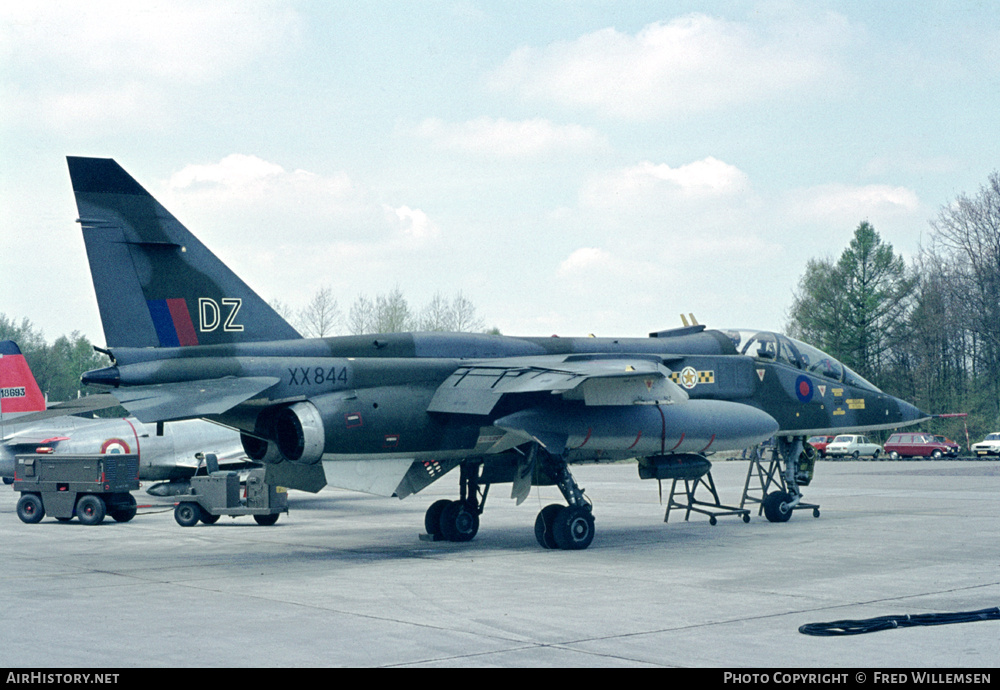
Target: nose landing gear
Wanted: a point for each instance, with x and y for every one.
(777, 504)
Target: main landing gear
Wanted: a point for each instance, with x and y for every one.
(569, 527)
(458, 520)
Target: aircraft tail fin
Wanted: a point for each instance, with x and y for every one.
(157, 285)
(19, 392)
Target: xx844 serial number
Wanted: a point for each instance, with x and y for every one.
(316, 376)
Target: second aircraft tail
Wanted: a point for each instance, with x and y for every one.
(156, 284)
(19, 392)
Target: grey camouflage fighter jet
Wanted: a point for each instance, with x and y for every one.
(391, 413)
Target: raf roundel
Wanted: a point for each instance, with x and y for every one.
(803, 389)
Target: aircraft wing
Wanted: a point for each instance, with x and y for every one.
(476, 388)
(170, 401)
(88, 403)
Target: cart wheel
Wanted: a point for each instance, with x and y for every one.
(30, 508)
(746, 517)
(187, 514)
(712, 520)
(815, 512)
(266, 520)
(91, 509)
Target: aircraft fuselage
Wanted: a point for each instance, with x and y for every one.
(373, 394)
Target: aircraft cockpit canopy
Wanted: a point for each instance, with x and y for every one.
(774, 347)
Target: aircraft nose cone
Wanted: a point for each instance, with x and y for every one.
(910, 414)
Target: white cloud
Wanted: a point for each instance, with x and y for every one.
(585, 260)
(251, 181)
(182, 40)
(690, 64)
(86, 63)
(235, 171)
(256, 200)
(649, 181)
(414, 223)
(835, 203)
(503, 138)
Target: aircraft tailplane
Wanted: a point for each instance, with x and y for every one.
(19, 392)
(156, 284)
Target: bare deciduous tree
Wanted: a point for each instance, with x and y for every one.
(322, 316)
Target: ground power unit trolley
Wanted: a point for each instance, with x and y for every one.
(88, 487)
(219, 493)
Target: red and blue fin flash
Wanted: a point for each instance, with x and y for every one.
(172, 322)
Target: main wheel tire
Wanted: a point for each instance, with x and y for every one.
(459, 522)
(208, 518)
(91, 509)
(776, 506)
(573, 528)
(545, 524)
(30, 508)
(266, 520)
(187, 514)
(432, 518)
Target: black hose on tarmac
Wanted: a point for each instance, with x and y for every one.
(860, 627)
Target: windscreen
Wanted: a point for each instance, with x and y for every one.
(774, 347)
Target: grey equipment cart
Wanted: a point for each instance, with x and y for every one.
(218, 494)
(84, 486)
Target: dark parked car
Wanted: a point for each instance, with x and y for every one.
(920, 445)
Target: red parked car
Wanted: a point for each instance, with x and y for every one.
(820, 443)
(920, 445)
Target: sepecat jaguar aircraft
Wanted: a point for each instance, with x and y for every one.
(391, 413)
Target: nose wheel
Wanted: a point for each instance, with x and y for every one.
(791, 464)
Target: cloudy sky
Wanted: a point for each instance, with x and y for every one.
(571, 167)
